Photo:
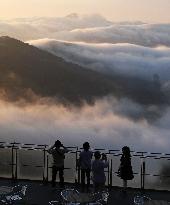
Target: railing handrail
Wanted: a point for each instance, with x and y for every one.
(143, 154)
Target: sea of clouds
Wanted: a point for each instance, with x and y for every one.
(135, 49)
(89, 29)
(121, 58)
(107, 124)
(129, 48)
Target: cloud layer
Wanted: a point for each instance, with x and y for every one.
(150, 35)
(105, 124)
(126, 59)
(41, 27)
(89, 29)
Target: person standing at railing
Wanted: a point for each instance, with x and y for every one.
(85, 165)
(125, 169)
(58, 153)
(98, 166)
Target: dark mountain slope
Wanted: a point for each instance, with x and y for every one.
(26, 72)
(24, 68)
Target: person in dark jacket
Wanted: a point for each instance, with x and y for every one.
(85, 165)
(125, 169)
(58, 153)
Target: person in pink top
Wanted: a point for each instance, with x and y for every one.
(98, 166)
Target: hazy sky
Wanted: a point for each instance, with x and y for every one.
(116, 10)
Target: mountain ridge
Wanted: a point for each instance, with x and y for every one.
(26, 72)
(26, 67)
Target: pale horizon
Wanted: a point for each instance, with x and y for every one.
(156, 11)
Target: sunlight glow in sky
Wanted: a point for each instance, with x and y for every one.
(115, 10)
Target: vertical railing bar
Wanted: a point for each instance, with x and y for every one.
(143, 174)
(78, 172)
(76, 165)
(44, 162)
(111, 173)
(12, 162)
(16, 163)
(47, 167)
(108, 174)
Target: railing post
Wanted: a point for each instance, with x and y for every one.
(143, 174)
(44, 163)
(16, 163)
(12, 162)
(76, 166)
(79, 173)
(47, 168)
(108, 174)
(111, 173)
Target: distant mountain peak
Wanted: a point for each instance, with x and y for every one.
(72, 15)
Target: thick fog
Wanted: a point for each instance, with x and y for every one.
(108, 124)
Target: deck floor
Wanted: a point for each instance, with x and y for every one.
(40, 194)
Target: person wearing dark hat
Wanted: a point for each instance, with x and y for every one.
(85, 165)
(58, 153)
(98, 166)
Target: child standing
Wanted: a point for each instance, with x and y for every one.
(85, 165)
(125, 170)
(98, 166)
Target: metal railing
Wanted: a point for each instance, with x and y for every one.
(18, 158)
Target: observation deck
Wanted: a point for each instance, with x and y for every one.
(31, 164)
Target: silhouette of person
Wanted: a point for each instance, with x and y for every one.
(58, 153)
(85, 165)
(98, 166)
(125, 169)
